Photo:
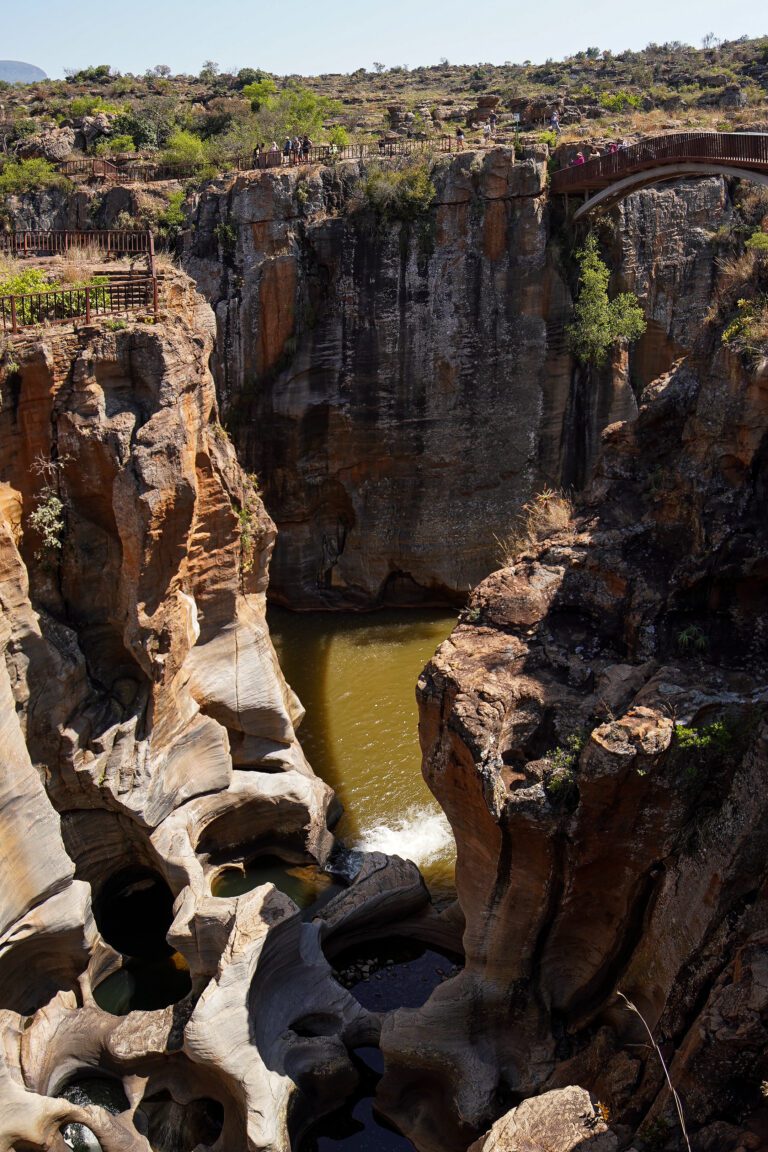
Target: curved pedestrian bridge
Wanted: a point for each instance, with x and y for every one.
(607, 179)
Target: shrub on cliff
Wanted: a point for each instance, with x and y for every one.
(598, 322)
(405, 193)
(20, 176)
(184, 148)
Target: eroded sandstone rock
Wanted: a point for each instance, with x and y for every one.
(595, 731)
(136, 659)
(565, 1120)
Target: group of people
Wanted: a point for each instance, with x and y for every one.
(295, 151)
(595, 153)
(489, 130)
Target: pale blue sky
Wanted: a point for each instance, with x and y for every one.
(313, 36)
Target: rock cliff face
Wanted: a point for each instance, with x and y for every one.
(595, 730)
(397, 384)
(148, 742)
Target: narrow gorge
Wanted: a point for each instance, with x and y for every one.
(347, 406)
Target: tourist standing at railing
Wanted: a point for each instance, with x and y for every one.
(486, 132)
(554, 122)
(577, 160)
(306, 145)
(460, 139)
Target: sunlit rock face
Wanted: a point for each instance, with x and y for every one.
(148, 740)
(402, 387)
(595, 731)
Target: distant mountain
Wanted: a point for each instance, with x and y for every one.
(17, 72)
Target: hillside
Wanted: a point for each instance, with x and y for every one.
(17, 72)
(661, 88)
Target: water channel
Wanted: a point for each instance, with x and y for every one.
(356, 677)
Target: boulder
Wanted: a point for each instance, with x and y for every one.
(54, 144)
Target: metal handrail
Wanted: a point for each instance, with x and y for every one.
(45, 242)
(61, 305)
(741, 149)
(147, 172)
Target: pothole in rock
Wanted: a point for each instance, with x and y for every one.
(144, 985)
(356, 1126)
(134, 911)
(80, 1138)
(306, 884)
(384, 975)
(174, 1127)
(84, 1090)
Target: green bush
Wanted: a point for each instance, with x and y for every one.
(400, 193)
(600, 323)
(560, 783)
(113, 145)
(619, 101)
(94, 74)
(758, 242)
(20, 283)
(260, 92)
(172, 219)
(701, 751)
(151, 123)
(20, 176)
(338, 136)
(89, 105)
(46, 519)
(185, 148)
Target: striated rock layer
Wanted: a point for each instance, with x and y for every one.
(148, 741)
(403, 386)
(595, 731)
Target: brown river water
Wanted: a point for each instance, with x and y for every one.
(356, 677)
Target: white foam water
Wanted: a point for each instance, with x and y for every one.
(421, 835)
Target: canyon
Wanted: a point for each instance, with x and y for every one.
(393, 391)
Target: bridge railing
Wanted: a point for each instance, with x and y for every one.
(747, 149)
(61, 305)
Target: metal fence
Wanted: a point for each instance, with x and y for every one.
(109, 242)
(61, 305)
(143, 171)
(739, 149)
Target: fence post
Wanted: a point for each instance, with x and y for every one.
(154, 296)
(87, 305)
(14, 326)
(151, 250)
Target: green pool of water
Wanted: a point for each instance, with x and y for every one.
(305, 884)
(144, 985)
(356, 677)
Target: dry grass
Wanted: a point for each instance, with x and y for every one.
(165, 259)
(76, 264)
(550, 511)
